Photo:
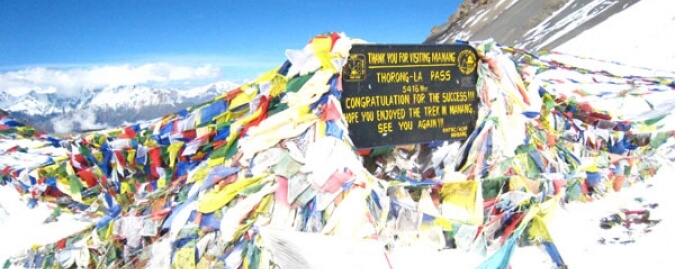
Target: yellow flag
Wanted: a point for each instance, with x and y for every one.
(265, 204)
(216, 199)
(444, 223)
(184, 258)
(593, 166)
(115, 133)
(63, 184)
(517, 183)
(237, 126)
(243, 98)
(131, 155)
(198, 175)
(205, 263)
(321, 47)
(59, 159)
(548, 208)
(460, 201)
(47, 170)
(173, 152)
(543, 210)
(150, 143)
(538, 230)
(124, 187)
(201, 131)
(223, 117)
(69, 169)
(278, 84)
(161, 182)
(216, 161)
(268, 76)
(320, 129)
(460, 193)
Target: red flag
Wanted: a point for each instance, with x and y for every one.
(128, 132)
(88, 176)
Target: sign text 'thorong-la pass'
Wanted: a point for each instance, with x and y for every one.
(404, 94)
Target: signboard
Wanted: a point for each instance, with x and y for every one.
(406, 94)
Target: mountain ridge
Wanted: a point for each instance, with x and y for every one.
(104, 107)
(509, 23)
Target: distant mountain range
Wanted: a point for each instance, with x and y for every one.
(528, 24)
(104, 107)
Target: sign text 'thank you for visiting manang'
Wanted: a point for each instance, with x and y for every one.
(404, 94)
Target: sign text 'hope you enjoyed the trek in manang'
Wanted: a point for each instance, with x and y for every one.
(404, 94)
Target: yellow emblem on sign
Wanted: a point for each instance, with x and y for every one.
(355, 69)
(466, 62)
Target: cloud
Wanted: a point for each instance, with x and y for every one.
(70, 81)
(239, 61)
(84, 120)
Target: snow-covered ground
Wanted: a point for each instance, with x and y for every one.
(576, 230)
(23, 227)
(640, 36)
(576, 233)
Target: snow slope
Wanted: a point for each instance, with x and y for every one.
(528, 24)
(639, 36)
(24, 227)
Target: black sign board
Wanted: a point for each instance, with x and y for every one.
(406, 94)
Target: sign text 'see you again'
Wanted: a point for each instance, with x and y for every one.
(405, 94)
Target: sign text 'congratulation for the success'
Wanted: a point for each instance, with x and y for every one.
(403, 94)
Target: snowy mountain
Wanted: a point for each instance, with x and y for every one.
(104, 107)
(531, 24)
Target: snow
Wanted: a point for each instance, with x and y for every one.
(545, 26)
(36, 154)
(640, 36)
(134, 97)
(31, 103)
(19, 224)
(574, 20)
(607, 47)
(570, 22)
(661, 97)
(116, 97)
(478, 17)
(513, 2)
(24, 227)
(497, 6)
(221, 87)
(576, 230)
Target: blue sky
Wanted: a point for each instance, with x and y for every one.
(240, 38)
